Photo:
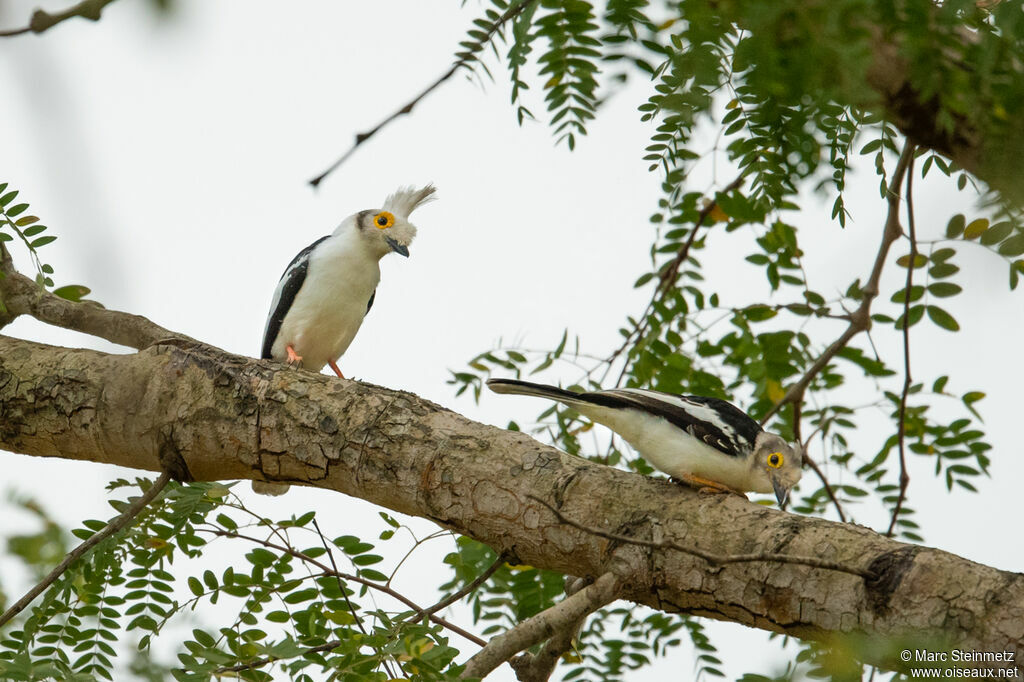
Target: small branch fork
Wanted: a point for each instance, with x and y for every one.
(115, 525)
(714, 559)
(902, 426)
(43, 21)
(859, 319)
(467, 58)
(547, 624)
(420, 612)
(23, 296)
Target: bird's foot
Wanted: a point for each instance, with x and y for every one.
(293, 357)
(334, 366)
(706, 486)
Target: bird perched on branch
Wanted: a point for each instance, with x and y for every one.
(707, 443)
(330, 285)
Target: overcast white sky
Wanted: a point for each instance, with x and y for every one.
(171, 159)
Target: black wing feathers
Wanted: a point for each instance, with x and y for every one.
(369, 303)
(293, 277)
(731, 416)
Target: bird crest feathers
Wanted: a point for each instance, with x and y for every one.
(404, 200)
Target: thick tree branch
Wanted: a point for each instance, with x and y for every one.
(711, 557)
(544, 625)
(235, 417)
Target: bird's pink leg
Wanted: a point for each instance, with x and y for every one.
(334, 366)
(293, 357)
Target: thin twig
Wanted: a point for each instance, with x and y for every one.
(464, 60)
(901, 429)
(354, 578)
(117, 523)
(344, 593)
(860, 319)
(828, 488)
(43, 21)
(713, 559)
(468, 589)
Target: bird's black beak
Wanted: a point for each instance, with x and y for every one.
(396, 247)
(781, 491)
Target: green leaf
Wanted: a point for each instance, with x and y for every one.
(42, 241)
(72, 292)
(7, 198)
(920, 260)
(16, 210)
(956, 225)
(944, 289)
(942, 270)
(1014, 246)
(976, 228)
(942, 318)
(997, 233)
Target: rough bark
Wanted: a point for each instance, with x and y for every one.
(223, 417)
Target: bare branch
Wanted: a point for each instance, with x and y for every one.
(22, 296)
(42, 20)
(464, 60)
(824, 481)
(119, 522)
(670, 274)
(860, 319)
(544, 625)
(901, 429)
(469, 588)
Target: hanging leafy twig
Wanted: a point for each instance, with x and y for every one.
(901, 427)
(669, 276)
(354, 578)
(118, 523)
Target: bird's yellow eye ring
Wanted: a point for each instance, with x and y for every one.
(383, 220)
(775, 460)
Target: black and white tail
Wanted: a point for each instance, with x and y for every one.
(516, 387)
